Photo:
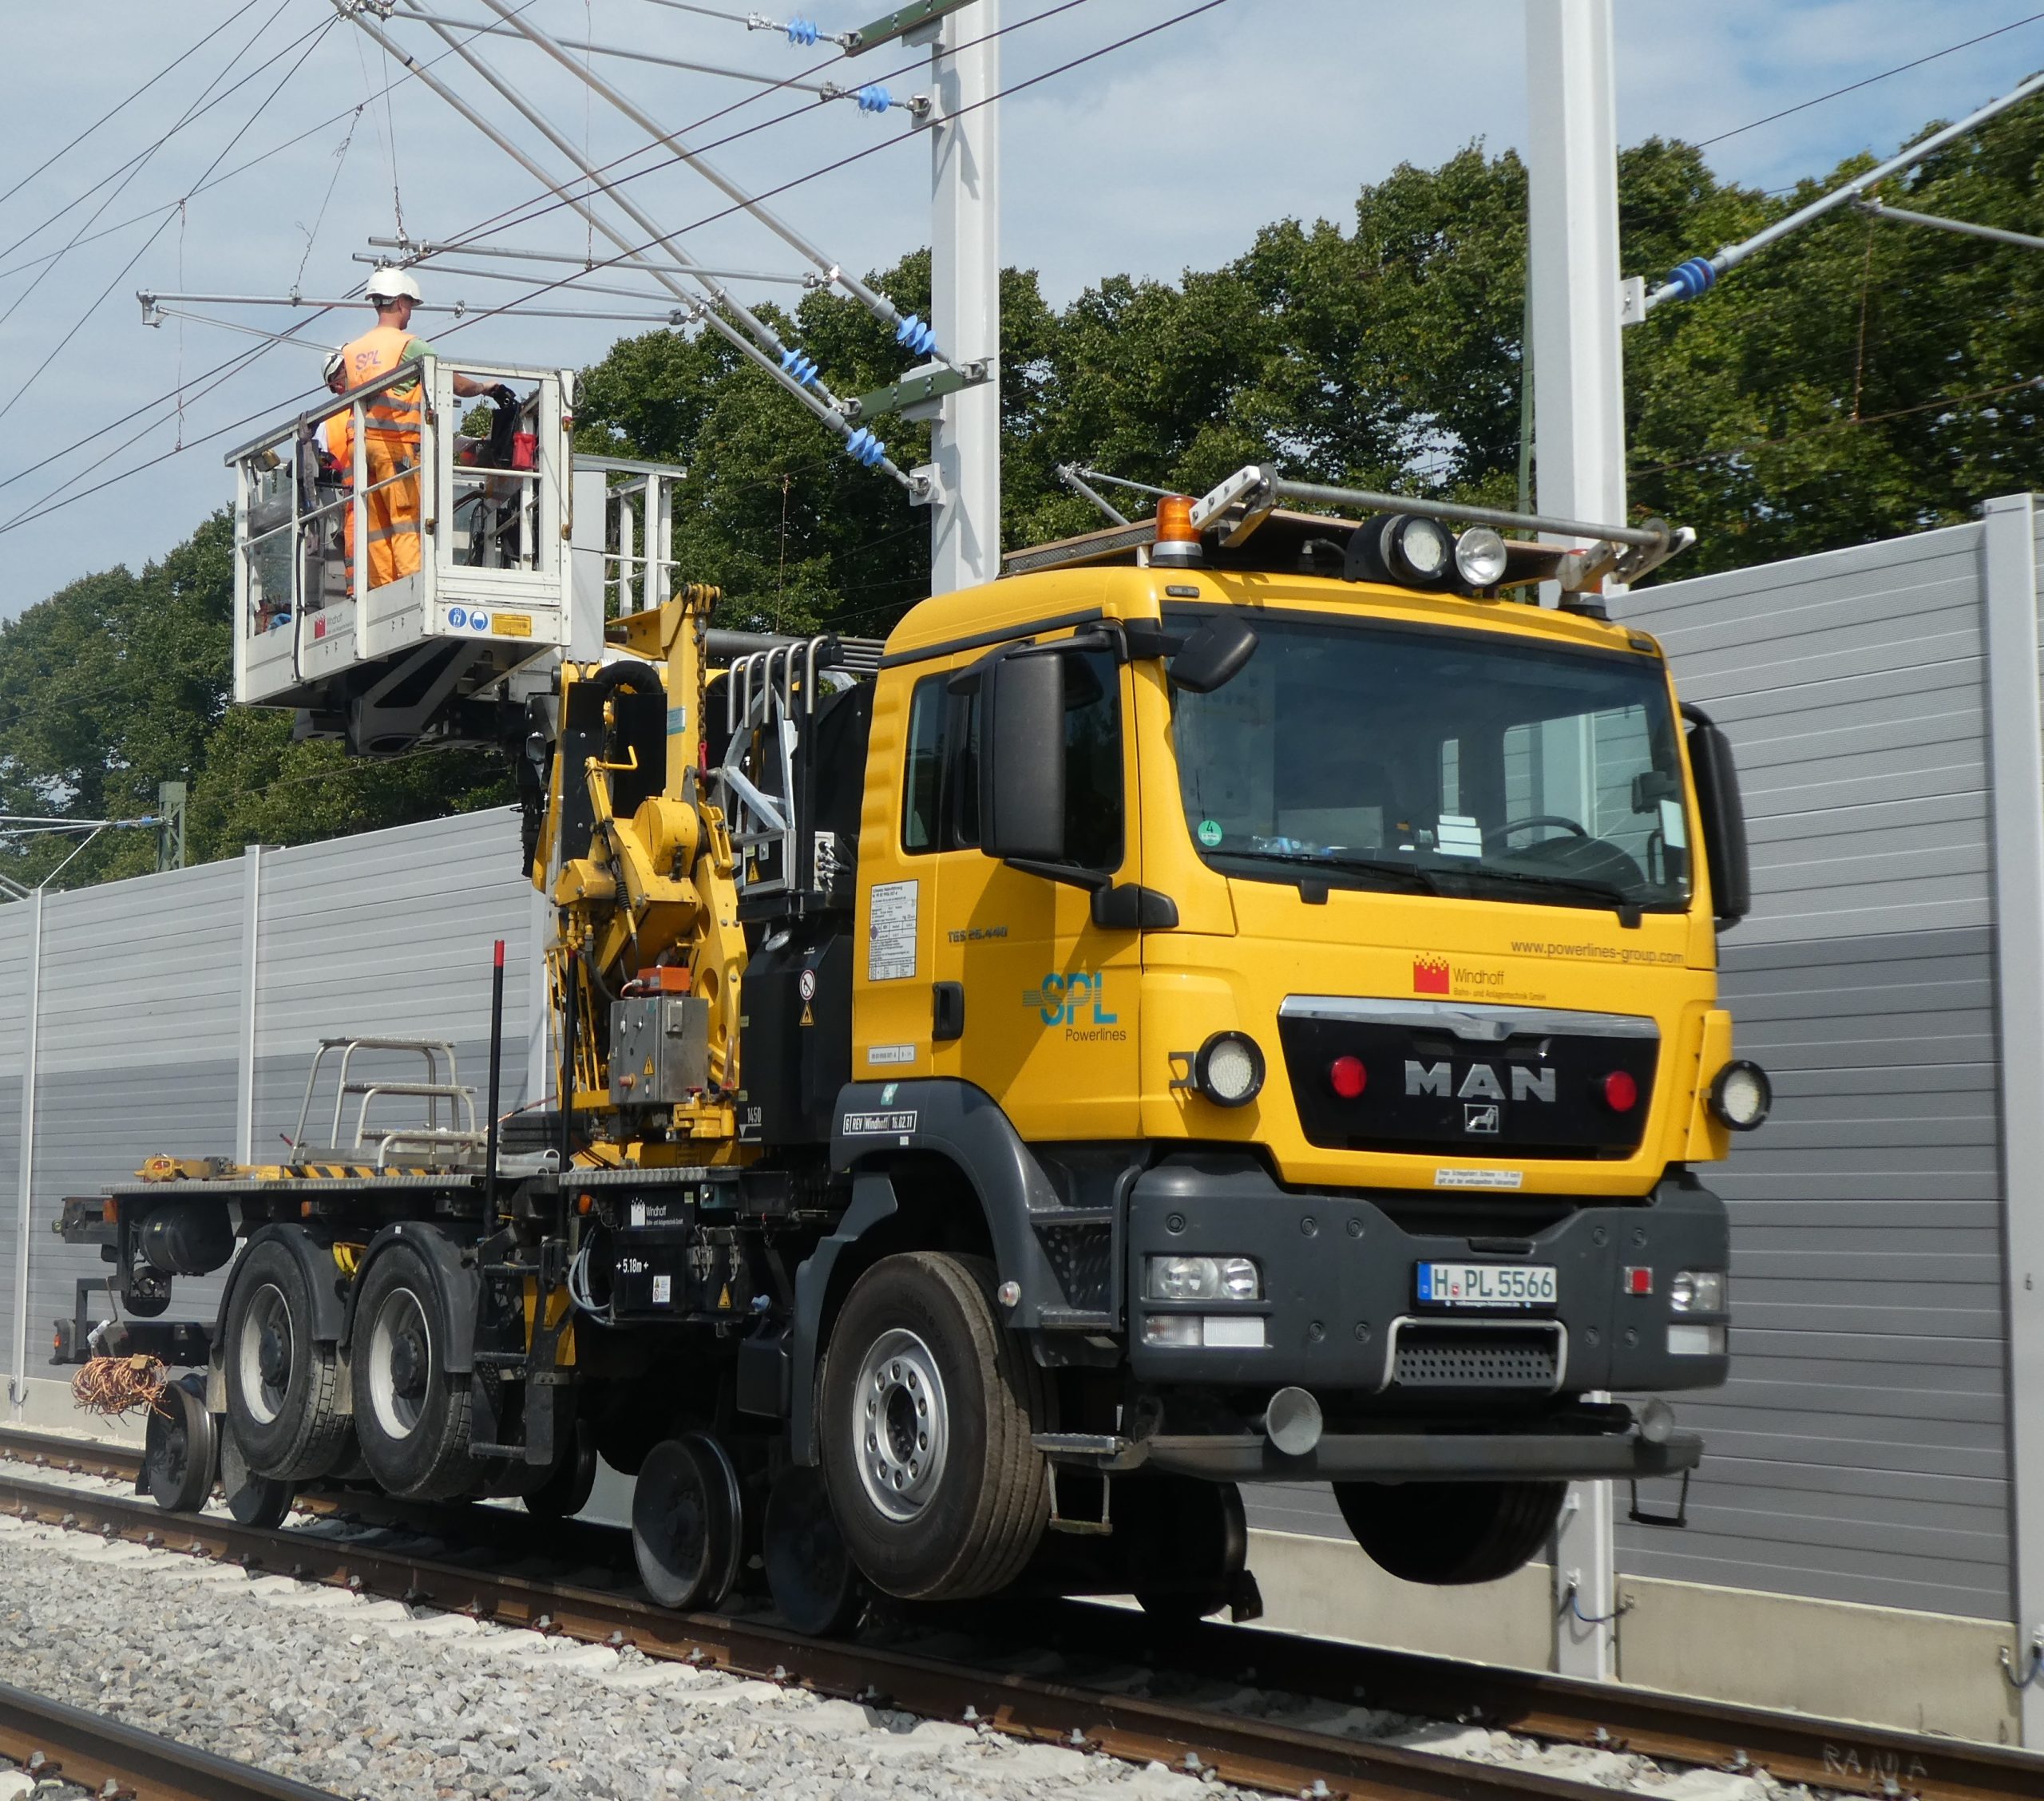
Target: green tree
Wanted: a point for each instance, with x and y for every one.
(120, 682)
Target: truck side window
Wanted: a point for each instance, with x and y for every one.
(1092, 761)
(922, 785)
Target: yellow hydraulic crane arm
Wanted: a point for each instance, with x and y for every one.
(654, 888)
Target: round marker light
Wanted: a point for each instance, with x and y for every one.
(1347, 1077)
(1621, 1093)
(1741, 1096)
(1229, 1069)
(1480, 557)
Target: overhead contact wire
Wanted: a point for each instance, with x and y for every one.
(57, 155)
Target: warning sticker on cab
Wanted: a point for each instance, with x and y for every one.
(1480, 1179)
(891, 932)
(512, 625)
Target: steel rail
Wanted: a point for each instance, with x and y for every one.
(51, 1739)
(1252, 1753)
(1793, 1748)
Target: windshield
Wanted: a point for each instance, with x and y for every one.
(1435, 760)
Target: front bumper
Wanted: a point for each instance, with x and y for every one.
(1387, 1456)
(1339, 1299)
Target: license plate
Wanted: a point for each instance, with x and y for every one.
(1487, 1285)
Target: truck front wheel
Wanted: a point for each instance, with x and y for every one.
(1450, 1533)
(929, 1410)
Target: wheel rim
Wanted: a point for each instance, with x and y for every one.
(400, 1359)
(267, 1355)
(902, 1428)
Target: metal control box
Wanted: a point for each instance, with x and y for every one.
(659, 1049)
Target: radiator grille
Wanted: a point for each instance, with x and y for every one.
(1443, 1356)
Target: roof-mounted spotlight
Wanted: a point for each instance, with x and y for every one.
(1403, 547)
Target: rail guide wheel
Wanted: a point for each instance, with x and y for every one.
(179, 1447)
(688, 1523)
(253, 1500)
(1190, 1545)
(565, 1491)
(283, 1382)
(810, 1571)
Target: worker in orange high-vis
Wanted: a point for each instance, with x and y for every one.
(337, 440)
(391, 423)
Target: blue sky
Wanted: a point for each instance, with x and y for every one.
(1165, 155)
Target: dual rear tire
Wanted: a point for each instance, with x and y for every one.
(412, 1413)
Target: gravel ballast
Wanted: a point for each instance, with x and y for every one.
(370, 1698)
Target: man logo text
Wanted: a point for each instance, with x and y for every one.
(1479, 1083)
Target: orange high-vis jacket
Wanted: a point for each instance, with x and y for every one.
(376, 352)
(338, 431)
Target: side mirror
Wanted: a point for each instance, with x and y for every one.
(1022, 757)
(1214, 655)
(1724, 816)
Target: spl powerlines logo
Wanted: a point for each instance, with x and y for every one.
(1430, 975)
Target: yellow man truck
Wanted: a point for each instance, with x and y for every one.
(1232, 1000)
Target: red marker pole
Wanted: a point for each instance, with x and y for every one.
(495, 1079)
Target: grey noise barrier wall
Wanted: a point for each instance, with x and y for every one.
(1879, 1441)
(1878, 1444)
(180, 1013)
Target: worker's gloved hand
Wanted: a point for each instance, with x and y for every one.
(503, 394)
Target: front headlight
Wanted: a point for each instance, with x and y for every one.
(1741, 1096)
(1697, 1291)
(1200, 1278)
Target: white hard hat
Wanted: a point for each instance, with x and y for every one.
(333, 366)
(392, 284)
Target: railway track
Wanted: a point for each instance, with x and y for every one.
(53, 1741)
(1253, 1752)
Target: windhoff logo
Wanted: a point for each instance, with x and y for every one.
(1480, 1083)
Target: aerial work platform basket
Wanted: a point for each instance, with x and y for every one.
(376, 591)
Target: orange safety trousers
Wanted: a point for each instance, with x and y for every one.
(394, 548)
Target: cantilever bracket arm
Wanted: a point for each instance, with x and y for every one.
(899, 23)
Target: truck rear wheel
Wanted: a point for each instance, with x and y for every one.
(282, 1384)
(411, 1410)
(929, 1411)
(1448, 1533)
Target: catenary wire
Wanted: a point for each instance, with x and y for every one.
(538, 206)
(872, 149)
(1853, 87)
(57, 155)
(239, 168)
(244, 358)
(196, 111)
(136, 164)
(78, 324)
(43, 511)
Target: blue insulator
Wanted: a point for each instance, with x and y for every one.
(803, 32)
(914, 336)
(801, 368)
(1696, 276)
(874, 99)
(863, 447)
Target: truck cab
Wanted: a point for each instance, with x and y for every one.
(1313, 976)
